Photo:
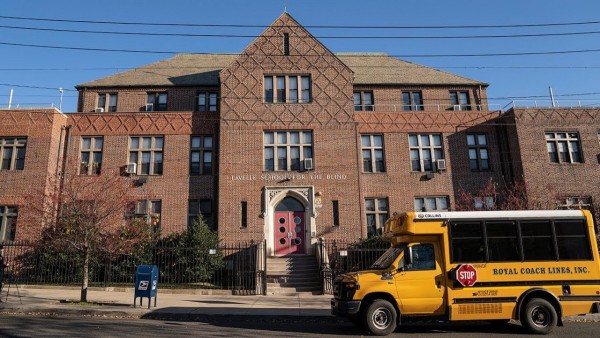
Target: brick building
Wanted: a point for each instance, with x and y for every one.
(288, 141)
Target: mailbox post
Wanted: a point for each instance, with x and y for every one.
(146, 283)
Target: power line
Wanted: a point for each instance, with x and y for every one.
(532, 35)
(34, 87)
(356, 66)
(254, 55)
(551, 24)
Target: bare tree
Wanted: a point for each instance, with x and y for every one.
(86, 214)
(512, 196)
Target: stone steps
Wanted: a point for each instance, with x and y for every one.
(293, 275)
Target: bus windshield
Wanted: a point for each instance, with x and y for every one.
(388, 257)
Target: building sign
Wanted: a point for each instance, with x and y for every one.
(289, 177)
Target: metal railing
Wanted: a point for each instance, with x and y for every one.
(336, 257)
(548, 103)
(425, 107)
(237, 267)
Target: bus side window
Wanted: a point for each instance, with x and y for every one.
(422, 257)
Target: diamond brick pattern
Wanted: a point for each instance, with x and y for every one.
(145, 123)
(242, 89)
(439, 122)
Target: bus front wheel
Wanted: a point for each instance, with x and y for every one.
(381, 317)
(539, 316)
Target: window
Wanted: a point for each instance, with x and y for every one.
(574, 202)
(372, 150)
(12, 150)
(537, 240)
(377, 214)
(572, 240)
(467, 242)
(91, 155)
(287, 88)
(431, 203)
(156, 102)
(147, 153)
(244, 206)
(478, 152)
(484, 202)
(8, 222)
(207, 101)
(363, 101)
(147, 211)
(460, 100)
(422, 257)
(286, 44)
(412, 101)
(563, 147)
(287, 150)
(107, 102)
(201, 151)
(502, 241)
(424, 150)
(200, 207)
(336, 212)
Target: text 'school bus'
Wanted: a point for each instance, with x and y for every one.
(532, 266)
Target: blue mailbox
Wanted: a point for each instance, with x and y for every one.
(146, 283)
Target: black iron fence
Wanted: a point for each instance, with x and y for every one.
(237, 267)
(336, 257)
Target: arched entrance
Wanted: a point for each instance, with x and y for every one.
(289, 227)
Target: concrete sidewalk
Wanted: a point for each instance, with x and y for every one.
(171, 304)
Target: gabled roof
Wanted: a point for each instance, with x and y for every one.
(382, 69)
(180, 70)
(203, 70)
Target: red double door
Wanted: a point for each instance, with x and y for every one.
(289, 233)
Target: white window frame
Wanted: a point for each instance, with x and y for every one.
(303, 91)
(477, 145)
(380, 216)
(421, 148)
(436, 201)
(362, 105)
(412, 105)
(153, 150)
(109, 99)
(564, 140)
(96, 144)
(306, 148)
(8, 216)
(202, 151)
(371, 147)
(14, 145)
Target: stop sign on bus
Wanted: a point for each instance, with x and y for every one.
(466, 275)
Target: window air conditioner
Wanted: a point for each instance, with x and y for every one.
(149, 106)
(99, 110)
(308, 164)
(131, 168)
(457, 107)
(441, 164)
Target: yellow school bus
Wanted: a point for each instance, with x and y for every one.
(535, 266)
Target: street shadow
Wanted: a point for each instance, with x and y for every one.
(278, 324)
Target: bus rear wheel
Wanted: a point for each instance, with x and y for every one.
(539, 316)
(381, 318)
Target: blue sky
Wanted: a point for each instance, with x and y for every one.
(509, 76)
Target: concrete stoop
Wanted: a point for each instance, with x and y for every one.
(293, 275)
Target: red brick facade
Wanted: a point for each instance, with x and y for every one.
(240, 178)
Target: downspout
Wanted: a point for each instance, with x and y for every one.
(360, 194)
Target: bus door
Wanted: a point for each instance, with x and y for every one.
(420, 281)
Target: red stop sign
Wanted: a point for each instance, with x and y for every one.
(466, 275)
